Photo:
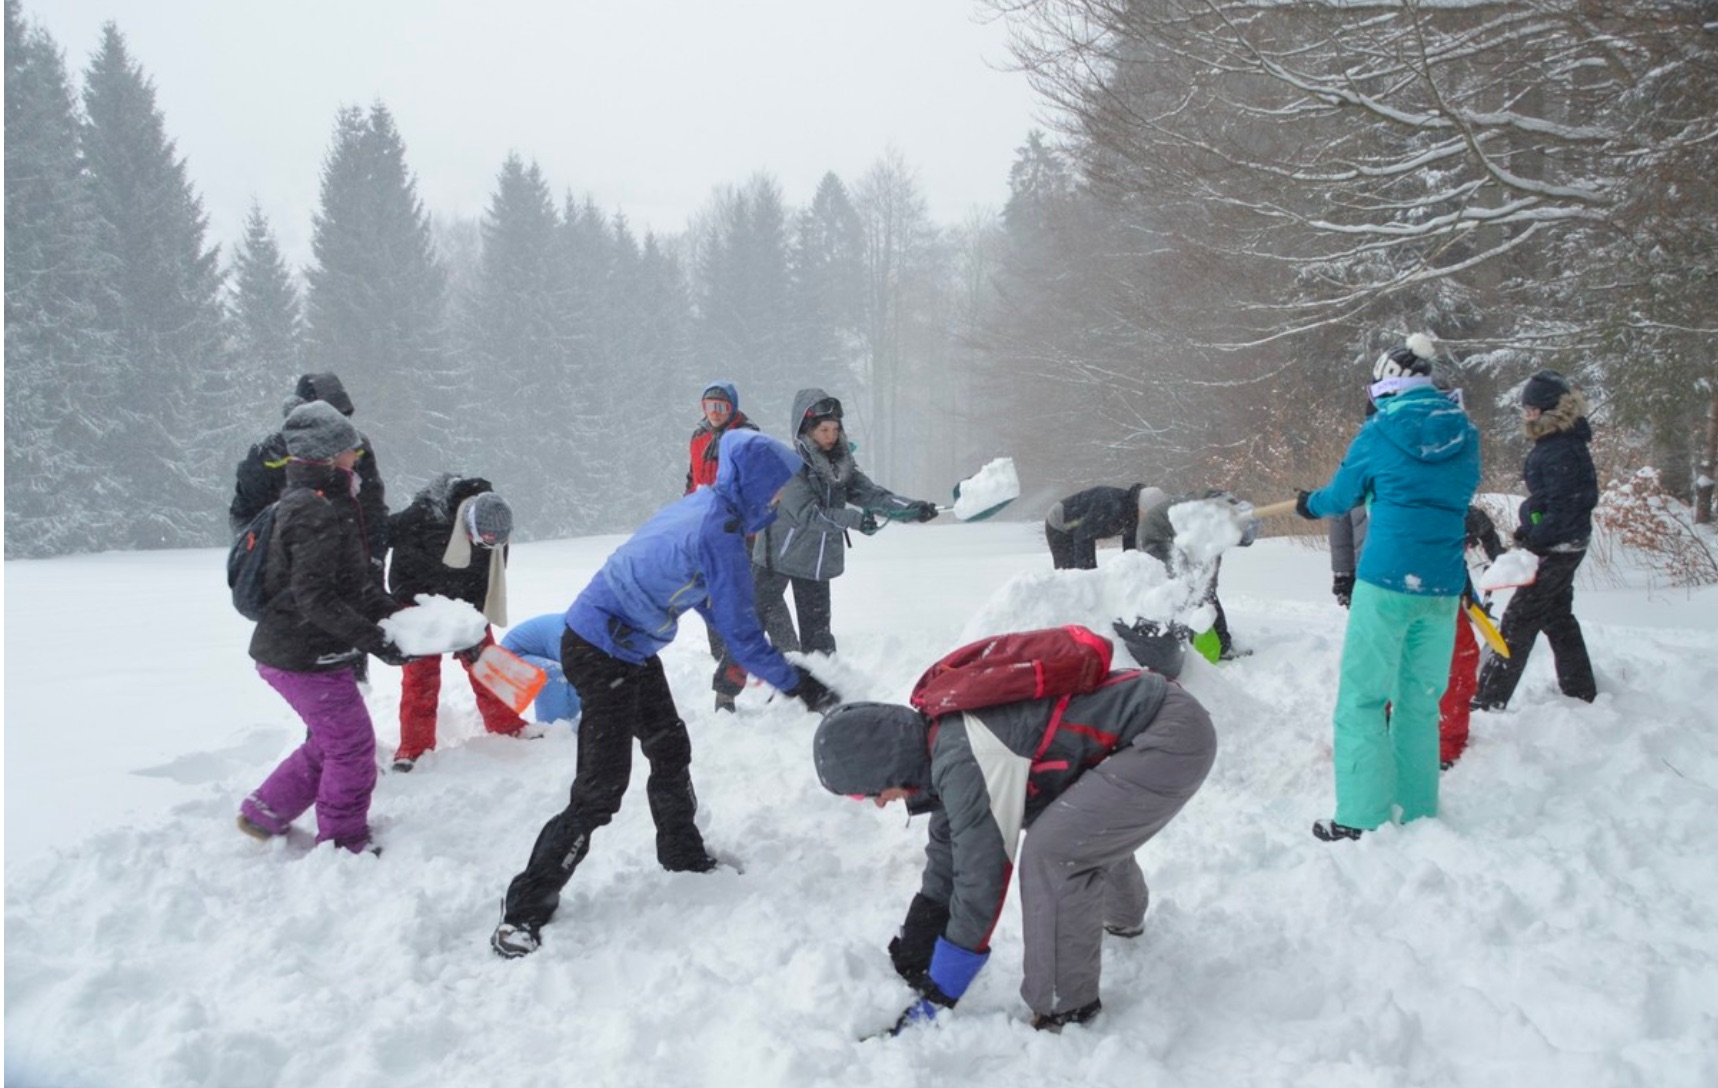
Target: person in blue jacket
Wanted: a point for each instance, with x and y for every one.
(1415, 464)
(691, 556)
(538, 640)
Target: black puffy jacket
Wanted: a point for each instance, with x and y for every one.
(419, 535)
(1562, 486)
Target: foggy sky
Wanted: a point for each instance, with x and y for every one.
(645, 106)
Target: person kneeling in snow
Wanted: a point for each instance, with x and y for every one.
(451, 542)
(321, 618)
(690, 556)
(1093, 781)
(538, 640)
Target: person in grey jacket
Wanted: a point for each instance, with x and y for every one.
(806, 545)
(1093, 783)
(1157, 539)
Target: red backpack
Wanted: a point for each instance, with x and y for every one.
(1012, 668)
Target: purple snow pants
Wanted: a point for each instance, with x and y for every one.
(335, 769)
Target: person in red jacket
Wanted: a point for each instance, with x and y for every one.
(720, 403)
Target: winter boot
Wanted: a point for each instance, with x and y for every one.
(1331, 831)
(1128, 932)
(255, 831)
(513, 941)
(725, 702)
(403, 764)
(1056, 1021)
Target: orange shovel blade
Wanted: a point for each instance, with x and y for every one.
(511, 678)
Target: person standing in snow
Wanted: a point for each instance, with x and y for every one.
(538, 640)
(1415, 464)
(806, 546)
(1074, 526)
(1348, 537)
(261, 476)
(322, 616)
(720, 402)
(691, 556)
(1093, 780)
(451, 542)
(1156, 536)
(1556, 524)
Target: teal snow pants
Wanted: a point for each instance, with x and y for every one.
(1397, 654)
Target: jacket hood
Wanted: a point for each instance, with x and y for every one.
(1424, 424)
(443, 494)
(753, 467)
(1569, 415)
(862, 749)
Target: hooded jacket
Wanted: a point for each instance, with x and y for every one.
(974, 772)
(1098, 513)
(705, 449)
(323, 604)
(1562, 487)
(809, 538)
(419, 535)
(1415, 464)
(692, 556)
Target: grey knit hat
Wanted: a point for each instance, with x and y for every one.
(491, 520)
(318, 432)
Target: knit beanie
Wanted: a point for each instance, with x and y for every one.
(491, 519)
(318, 432)
(1411, 359)
(1544, 390)
(325, 387)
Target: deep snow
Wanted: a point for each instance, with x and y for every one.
(1553, 927)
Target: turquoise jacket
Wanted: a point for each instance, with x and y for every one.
(1416, 466)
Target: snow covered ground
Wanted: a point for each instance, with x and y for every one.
(1554, 927)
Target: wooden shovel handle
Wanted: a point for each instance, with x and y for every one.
(1275, 509)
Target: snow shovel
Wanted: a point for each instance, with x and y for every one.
(985, 492)
(1488, 630)
(508, 676)
(1513, 569)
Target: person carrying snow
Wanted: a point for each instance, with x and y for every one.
(451, 542)
(322, 616)
(720, 403)
(1074, 526)
(1415, 464)
(1556, 524)
(538, 640)
(1093, 781)
(691, 556)
(1156, 535)
(1348, 537)
(261, 476)
(806, 546)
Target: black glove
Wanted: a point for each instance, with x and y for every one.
(1302, 500)
(389, 654)
(1343, 586)
(470, 654)
(868, 523)
(925, 511)
(1521, 535)
(814, 693)
(910, 950)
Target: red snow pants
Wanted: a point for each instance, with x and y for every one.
(420, 692)
(1464, 681)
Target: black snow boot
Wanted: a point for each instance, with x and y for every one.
(1331, 831)
(1056, 1021)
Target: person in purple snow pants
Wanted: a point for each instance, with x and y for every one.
(320, 620)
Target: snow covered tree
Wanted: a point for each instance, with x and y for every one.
(171, 431)
(266, 316)
(827, 286)
(376, 303)
(58, 356)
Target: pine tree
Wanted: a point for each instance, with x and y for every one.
(267, 326)
(376, 301)
(170, 401)
(828, 277)
(57, 357)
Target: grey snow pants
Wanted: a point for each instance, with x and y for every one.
(1077, 869)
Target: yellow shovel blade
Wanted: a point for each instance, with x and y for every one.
(1488, 630)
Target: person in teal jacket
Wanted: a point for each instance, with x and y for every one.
(1415, 464)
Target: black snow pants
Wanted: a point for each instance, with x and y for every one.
(1547, 605)
(1070, 552)
(620, 702)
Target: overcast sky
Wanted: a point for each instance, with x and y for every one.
(645, 105)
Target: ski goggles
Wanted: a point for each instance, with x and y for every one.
(717, 406)
(827, 407)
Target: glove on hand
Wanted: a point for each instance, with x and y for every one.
(1302, 505)
(925, 511)
(470, 654)
(952, 971)
(1521, 535)
(910, 950)
(814, 693)
(389, 654)
(868, 523)
(1343, 586)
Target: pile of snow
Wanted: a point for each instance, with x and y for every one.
(991, 486)
(1553, 926)
(435, 625)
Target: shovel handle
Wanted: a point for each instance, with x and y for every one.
(1275, 509)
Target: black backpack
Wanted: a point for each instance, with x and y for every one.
(247, 563)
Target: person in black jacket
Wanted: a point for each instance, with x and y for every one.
(322, 616)
(1074, 526)
(1556, 523)
(451, 542)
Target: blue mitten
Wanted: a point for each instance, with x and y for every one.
(952, 970)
